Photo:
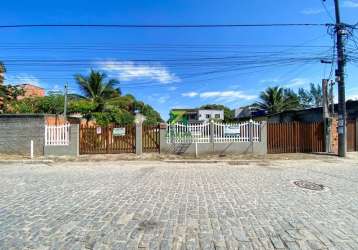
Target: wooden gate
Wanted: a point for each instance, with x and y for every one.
(295, 137)
(351, 136)
(151, 138)
(107, 140)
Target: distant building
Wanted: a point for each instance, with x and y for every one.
(245, 113)
(195, 115)
(30, 91)
(302, 115)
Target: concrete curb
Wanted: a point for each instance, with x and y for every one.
(236, 162)
(26, 161)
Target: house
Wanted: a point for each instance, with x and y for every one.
(195, 115)
(248, 112)
(302, 115)
(30, 91)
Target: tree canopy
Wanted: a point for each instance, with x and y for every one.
(101, 100)
(278, 99)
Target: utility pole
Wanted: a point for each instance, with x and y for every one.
(65, 104)
(326, 116)
(340, 30)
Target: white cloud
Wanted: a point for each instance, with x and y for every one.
(129, 71)
(350, 4)
(297, 82)
(163, 99)
(352, 97)
(273, 80)
(232, 95)
(312, 11)
(190, 94)
(22, 79)
(172, 88)
(221, 96)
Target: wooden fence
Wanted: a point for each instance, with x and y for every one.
(102, 140)
(295, 137)
(351, 136)
(151, 138)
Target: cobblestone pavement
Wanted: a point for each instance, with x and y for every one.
(157, 205)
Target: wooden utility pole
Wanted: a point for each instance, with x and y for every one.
(340, 30)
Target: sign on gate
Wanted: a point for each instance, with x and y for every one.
(119, 131)
(232, 130)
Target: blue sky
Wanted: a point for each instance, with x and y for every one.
(173, 67)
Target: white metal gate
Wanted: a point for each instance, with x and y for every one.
(57, 135)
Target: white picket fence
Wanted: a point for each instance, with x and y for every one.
(180, 133)
(57, 135)
(221, 132)
(237, 132)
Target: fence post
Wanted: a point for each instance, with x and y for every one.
(251, 131)
(356, 128)
(211, 131)
(138, 137)
(163, 137)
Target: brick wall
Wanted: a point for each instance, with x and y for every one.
(17, 131)
(31, 91)
(334, 136)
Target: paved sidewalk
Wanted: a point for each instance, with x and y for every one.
(156, 205)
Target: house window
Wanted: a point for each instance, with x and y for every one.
(217, 116)
(208, 116)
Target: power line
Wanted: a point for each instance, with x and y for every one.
(161, 25)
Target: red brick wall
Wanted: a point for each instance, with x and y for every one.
(334, 136)
(31, 91)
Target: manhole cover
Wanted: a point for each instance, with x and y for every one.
(309, 185)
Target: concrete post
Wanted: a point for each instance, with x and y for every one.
(264, 136)
(211, 130)
(163, 137)
(138, 138)
(356, 135)
(75, 131)
(251, 132)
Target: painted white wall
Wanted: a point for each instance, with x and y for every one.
(206, 115)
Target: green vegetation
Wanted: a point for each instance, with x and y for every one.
(277, 99)
(312, 97)
(100, 100)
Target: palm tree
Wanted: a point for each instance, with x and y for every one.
(277, 99)
(96, 88)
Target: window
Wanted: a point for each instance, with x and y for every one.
(217, 116)
(208, 116)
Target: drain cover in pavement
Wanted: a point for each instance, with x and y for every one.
(309, 185)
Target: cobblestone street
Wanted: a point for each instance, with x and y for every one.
(158, 205)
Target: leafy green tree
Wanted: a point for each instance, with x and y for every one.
(81, 106)
(277, 99)
(52, 104)
(229, 114)
(96, 88)
(312, 97)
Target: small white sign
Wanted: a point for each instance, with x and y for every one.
(99, 130)
(119, 131)
(232, 130)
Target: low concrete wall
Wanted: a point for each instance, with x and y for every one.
(71, 150)
(17, 131)
(257, 148)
